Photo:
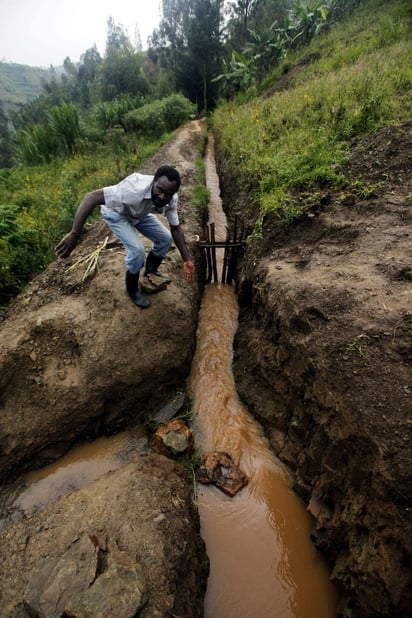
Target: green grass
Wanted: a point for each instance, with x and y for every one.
(359, 81)
(38, 203)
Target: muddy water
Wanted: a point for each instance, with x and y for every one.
(263, 564)
(78, 468)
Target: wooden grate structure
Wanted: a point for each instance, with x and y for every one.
(232, 246)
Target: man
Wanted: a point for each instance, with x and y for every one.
(127, 207)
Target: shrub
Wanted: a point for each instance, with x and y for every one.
(147, 120)
(154, 119)
(177, 109)
(58, 136)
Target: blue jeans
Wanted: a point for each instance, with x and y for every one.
(149, 226)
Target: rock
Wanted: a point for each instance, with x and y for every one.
(120, 590)
(172, 438)
(72, 584)
(169, 410)
(58, 579)
(140, 517)
(218, 468)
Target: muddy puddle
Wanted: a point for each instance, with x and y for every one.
(262, 562)
(78, 468)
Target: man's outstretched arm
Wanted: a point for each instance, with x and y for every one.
(86, 207)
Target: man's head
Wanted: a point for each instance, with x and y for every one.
(166, 183)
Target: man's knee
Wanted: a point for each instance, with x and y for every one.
(135, 259)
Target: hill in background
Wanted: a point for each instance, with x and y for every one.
(20, 83)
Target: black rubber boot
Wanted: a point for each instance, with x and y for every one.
(152, 264)
(132, 286)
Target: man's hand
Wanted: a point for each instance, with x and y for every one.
(189, 270)
(66, 245)
(88, 203)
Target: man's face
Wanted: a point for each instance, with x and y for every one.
(162, 191)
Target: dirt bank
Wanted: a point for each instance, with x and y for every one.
(323, 359)
(78, 360)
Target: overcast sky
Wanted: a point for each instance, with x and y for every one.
(43, 32)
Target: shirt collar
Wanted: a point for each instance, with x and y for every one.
(148, 193)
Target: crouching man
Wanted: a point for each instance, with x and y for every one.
(129, 206)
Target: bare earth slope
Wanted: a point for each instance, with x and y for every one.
(324, 359)
(78, 360)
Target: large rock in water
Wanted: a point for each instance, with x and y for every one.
(128, 540)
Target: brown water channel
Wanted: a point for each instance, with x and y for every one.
(262, 562)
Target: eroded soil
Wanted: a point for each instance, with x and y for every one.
(322, 357)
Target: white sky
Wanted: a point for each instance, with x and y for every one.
(43, 32)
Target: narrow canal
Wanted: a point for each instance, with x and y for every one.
(263, 564)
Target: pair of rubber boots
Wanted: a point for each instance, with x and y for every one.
(154, 281)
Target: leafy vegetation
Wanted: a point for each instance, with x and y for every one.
(351, 80)
(290, 83)
(38, 204)
(153, 119)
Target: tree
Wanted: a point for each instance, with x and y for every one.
(87, 71)
(188, 42)
(204, 34)
(307, 18)
(168, 43)
(121, 70)
(247, 16)
(137, 39)
(6, 142)
(116, 36)
(240, 12)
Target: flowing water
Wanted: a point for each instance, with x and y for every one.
(262, 563)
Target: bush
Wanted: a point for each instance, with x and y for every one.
(58, 136)
(177, 109)
(17, 259)
(154, 119)
(147, 120)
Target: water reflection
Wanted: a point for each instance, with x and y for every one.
(77, 469)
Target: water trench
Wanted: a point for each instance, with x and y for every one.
(262, 562)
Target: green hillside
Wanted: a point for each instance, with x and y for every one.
(20, 83)
(284, 137)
